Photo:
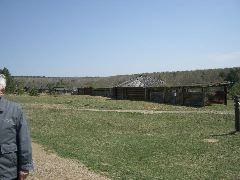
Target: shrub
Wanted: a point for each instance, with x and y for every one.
(235, 90)
(20, 91)
(33, 92)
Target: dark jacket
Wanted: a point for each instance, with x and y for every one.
(15, 143)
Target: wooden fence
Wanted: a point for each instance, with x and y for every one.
(185, 95)
(181, 95)
(106, 92)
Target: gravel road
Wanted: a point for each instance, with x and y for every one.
(57, 106)
(49, 166)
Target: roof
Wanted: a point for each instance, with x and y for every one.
(202, 85)
(60, 88)
(142, 81)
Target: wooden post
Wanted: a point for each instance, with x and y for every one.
(225, 95)
(183, 92)
(150, 94)
(203, 96)
(113, 93)
(237, 121)
(145, 94)
(125, 93)
(175, 96)
(164, 94)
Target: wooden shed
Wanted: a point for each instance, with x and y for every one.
(105, 92)
(191, 95)
(137, 88)
(84, 91)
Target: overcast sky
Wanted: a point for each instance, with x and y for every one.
(110, 37)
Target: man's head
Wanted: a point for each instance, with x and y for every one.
(2, 84)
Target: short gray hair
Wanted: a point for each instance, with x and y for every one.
(3, 81)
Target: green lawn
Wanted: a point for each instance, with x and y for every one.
(135, 145)
(97, 102)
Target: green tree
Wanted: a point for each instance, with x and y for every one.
(33, 92)
(235, 90)
(19, 88)
(222, 75)
(233, 76)
(50, 87)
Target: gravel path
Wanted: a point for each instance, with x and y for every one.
(49, 166)
(158, 112)
(57, 106)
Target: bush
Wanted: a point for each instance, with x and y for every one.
(235, 90)
(33, 92)
(20, 91)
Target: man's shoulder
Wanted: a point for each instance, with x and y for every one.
(12, 104)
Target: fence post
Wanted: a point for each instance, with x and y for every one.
(225, 95)
(203, 96)
(237, 121)
(145, 94)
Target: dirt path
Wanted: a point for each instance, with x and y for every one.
(60, 106)
(49, 166)
(159, 112)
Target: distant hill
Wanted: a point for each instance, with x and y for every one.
(170, 78)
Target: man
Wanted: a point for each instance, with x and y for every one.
(15, 143)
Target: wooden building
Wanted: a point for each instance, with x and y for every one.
(137, 88)
(146, 88)
(149, 89)
(191, 95)
(105, 92)
(61, 90)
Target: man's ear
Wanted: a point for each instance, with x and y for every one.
(2, 90)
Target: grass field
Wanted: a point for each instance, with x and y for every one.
(136, 145)
(98, 102)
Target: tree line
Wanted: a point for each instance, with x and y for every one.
(19, 83)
